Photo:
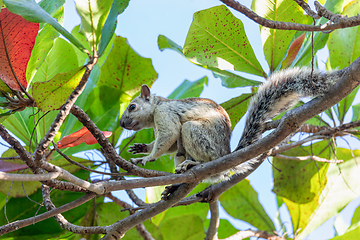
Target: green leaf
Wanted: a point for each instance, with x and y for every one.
(125, 70)
(300, 182)
(231, 80)
(355, 221)
(228, 79)
(93, 15)
(52, 94)
(32, 12)
(217, 39)
(166, 43)
(276, 42)
(117, 7)
(356, 112)
(342, 181)
(189, 89)
(343, 106)
(344, 44)
(241, 202)
(225, 230)
(21, 125)
(43, 43)
(19, 189)
(187, 227)
(4, 87)
(351, 235)
(62, 58)
(320, 39)
(237, 107)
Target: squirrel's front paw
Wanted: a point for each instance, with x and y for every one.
(138, 148)
(142, 161)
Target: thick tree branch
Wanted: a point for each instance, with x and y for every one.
(343, 22)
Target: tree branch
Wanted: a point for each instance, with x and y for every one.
(214, 220)
(28, 177)
(343, 22)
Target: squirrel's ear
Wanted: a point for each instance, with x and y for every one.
(145, 92)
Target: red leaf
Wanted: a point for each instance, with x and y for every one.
(10, 167)
(81, 136)
(17, 39)
(293, 51)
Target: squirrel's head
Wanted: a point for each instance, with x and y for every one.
(139, 113)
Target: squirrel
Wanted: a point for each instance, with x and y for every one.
(199, 129)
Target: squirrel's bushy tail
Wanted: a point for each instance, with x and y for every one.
(281, 91)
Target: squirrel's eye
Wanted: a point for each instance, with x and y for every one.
(132, 107)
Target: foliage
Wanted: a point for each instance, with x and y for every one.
(52, 68)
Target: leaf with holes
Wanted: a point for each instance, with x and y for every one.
(52, 94)
(81, 136)
(17, 39)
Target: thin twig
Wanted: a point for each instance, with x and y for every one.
(28, 177)
(305, 158)
(82, 166)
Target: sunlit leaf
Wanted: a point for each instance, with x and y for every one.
(344, 44)
(78, 137)
(241, 202)
(300, 182)
(276, 42)
(342, 180)
(52, 94)
(217, 39)
(17, 40)
(125, 70)
(228, 78)
(117, 7)
(189, 89)
(61, 58)
(93, 15)
(45, 39)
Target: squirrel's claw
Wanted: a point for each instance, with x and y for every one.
(185, 165)
(142, 161)
(138, 148)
